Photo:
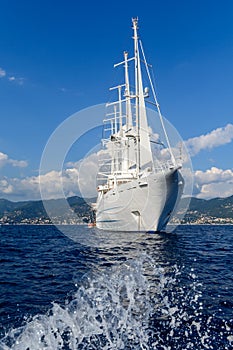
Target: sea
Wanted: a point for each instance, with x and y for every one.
(91, 289)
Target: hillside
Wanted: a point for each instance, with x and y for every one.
(34, 211)
(216, 210)
(201, 211)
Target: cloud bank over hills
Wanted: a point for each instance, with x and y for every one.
(79, 178)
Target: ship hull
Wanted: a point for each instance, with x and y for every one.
(144, 204)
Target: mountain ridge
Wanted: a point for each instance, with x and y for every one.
(33, 211)
(214, 210)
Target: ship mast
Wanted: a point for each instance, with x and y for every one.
(143, 152)
(136, 61)
(129, 121)
(141, 123)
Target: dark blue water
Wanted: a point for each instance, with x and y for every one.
(116, 291)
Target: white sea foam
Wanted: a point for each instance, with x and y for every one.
(136, 305)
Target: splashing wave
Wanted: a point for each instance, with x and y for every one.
(135, 305)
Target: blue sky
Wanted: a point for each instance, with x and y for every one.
(56, 58)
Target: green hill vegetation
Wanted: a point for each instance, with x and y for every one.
(201, 211)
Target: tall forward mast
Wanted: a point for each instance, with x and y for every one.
(144, 148)
(136, 65)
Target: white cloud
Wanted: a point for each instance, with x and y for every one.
(53, 184)
(18, 163)
(213, 175)
(214, 182)
(11, 78)
(2, 73)
(5, 187)
(4, 160)
(213, 190)
(19, 81)
(215, 138)
(79, 178)
(85, 172)
(193, 146)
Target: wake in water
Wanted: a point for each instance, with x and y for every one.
(135, 305)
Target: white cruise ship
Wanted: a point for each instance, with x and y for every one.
(136, 192)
